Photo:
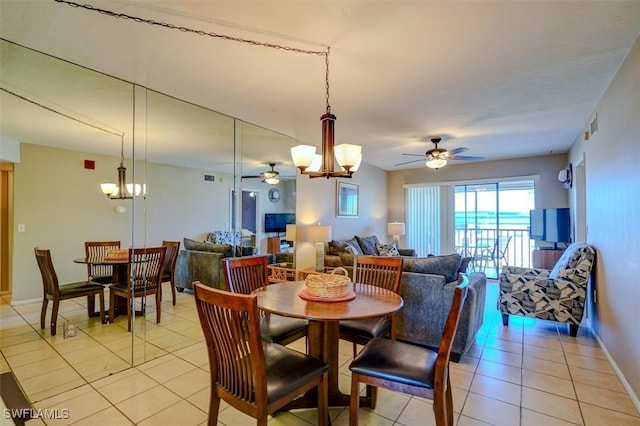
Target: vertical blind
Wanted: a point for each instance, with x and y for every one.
(423, 219)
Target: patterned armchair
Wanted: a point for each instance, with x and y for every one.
(556, 295)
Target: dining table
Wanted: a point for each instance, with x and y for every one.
(324, 318)
(119, 265)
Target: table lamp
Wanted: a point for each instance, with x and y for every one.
(396, 229)
(290, 235)
(318, 234)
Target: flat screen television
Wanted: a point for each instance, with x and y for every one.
(551, 225)
(277, 222)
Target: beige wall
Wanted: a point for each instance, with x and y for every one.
(317, 202)
(612, 171)
(61, 206)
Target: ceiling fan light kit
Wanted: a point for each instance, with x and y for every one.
(437, 157)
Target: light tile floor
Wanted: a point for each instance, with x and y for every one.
(531, 373)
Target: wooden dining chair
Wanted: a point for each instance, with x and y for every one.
(102, 274)
(410, 369)
(251, 376)
(143, 279)
(169, 265)
(383, 272)
(55, 292)
(246, 274)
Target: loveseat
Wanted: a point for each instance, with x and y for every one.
(337, 250)
(427, 286)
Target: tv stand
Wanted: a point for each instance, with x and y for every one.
(546, 258)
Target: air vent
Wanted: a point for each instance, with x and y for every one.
(209, 178)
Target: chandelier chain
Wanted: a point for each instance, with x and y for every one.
(326, 60)
(191, 30)
(61, 113)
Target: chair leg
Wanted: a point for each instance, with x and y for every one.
(43, 312)
(54, 317)
(449, 401)
(173, 292)
(505, 320)
(573, 330)
(323, 401)
(112, 303)
(158, 305)
(101, 297)
(372, 395)
(129, 301)
(354, 403)
(214, 408)
(91, 305)
(355, 349)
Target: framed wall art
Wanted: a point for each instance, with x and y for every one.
(346, 199)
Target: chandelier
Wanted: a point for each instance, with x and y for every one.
(315, 165)
(122, 190)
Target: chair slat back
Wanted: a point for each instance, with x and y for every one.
(98, 249)
(383, 272)
(230, 323)
(49, 276)
(170, 257)
(245, 274)
(449, 333)
(145, 268)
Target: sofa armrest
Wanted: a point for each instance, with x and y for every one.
(407, 252)
(194, 265)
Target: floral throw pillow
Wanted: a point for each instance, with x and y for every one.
(387, 250)
(351, 249)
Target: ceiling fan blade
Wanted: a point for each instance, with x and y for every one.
(408, 162)
(414, 155)
(466, 158)
(253, 177)
(457, 150)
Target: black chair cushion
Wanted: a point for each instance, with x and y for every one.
(276, 328)
(397, 361)
(79, 287)
(288, 370)
(368, 328)
(102, 279)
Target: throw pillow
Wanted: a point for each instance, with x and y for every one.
(224, 249)
(350, 249)
(336, 246)
(368, 245)
(464, 264)
(387, 250)
(446, 266)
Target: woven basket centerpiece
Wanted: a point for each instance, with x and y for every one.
(330, 285)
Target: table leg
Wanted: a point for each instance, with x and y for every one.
(323, 339)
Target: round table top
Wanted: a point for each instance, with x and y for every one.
(97, 260)
(370, 302)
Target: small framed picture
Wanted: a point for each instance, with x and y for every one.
(346, 199)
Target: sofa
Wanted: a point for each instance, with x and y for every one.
(338, 250)
(427, 286)
(202, 261)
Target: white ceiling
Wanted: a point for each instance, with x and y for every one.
(503, 78)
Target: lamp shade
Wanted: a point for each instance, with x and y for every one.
(317, 233)
(436, 163)
(290, 234)
(395, 228)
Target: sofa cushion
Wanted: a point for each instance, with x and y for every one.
(339, 246)
(346, 259)
(368, 245)
(224, 249)
(447, 265)
(387, 250)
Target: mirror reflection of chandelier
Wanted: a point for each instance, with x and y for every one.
(122, 190)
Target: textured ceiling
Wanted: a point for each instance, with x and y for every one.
(504, 79)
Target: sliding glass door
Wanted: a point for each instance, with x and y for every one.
(491, 224)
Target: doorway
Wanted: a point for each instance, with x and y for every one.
(6, 226)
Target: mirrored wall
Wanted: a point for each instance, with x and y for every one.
(72, 125)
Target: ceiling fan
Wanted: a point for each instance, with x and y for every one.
(272, 177)
(436, 158)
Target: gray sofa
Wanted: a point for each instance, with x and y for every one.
(341, 252)
(426, 287)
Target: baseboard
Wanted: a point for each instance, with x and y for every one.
(25, 302)
(634, 398)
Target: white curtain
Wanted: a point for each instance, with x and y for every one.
(423, 219)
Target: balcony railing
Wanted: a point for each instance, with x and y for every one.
(493, 248)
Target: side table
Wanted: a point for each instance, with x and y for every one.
(280, 272)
